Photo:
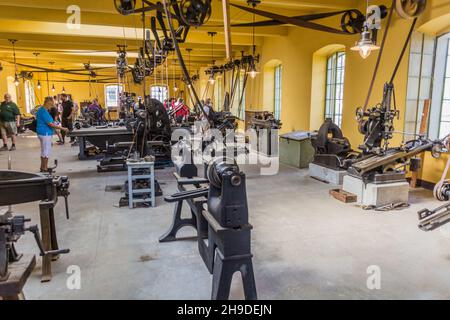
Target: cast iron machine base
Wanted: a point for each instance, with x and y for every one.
(224, 224)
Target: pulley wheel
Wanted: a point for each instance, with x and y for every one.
(388, 168)
(436, 151)
(410, 9)
(352, 21)
(441, 191)
(125, 7)
(362, 126)
(195, 13)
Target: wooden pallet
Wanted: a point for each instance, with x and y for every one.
(343, 196)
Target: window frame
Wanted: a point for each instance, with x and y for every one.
(445, 83)
(278, 89)
(119, 90)
(442, 52)
(160, 96)
(235, 110)
(30, 96)
(335, 80)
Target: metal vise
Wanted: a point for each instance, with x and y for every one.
(11, 229)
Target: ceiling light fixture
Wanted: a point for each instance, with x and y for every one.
(36, 54)
(53, 85)
(253, 71)
(16, 77)
(365, 45)
(211, 79)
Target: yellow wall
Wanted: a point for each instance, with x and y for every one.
(301, 107)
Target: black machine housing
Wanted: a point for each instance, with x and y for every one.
(332, 148)
(227, 200)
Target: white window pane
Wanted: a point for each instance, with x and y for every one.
(445, 113)
(445, 129)
(335, 87)
(428, 45)
(427, 65)
(328, 96)
(327, 108)
(338, 92)
(411, 110)
(410, 126)
(425, 87)
(416, 42)
(447, 89)
(414, 64)
(447, 70)
(413, 88)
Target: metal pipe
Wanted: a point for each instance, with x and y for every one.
(227, 29)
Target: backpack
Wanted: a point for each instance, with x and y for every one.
(33, 125)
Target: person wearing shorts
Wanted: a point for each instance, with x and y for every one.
(45, 128)
(9, 121)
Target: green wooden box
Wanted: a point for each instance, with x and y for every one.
(296, 149)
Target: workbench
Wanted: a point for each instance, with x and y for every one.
(100, 137)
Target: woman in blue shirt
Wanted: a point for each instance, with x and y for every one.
(45, 128)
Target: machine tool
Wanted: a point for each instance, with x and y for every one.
(11, 229)
(266, 127)
(18, 187)
(224, 223)
(332, 148)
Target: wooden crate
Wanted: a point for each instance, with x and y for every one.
(343, 196)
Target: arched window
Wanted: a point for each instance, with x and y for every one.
(158, 93)
(277, 91)
(12, 89)
(444, 123)
(428, 79)
(112, 92)
(30, 99)
(273, 75)
(335, 87)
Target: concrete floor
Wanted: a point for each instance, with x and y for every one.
(306, 245)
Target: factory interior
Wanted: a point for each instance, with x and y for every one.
(225, 150)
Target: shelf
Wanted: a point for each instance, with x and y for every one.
(137, 191)
(142, 200)
(148, 176)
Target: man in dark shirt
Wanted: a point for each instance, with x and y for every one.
(66, 116)
(9, 121)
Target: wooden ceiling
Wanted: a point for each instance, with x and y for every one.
(40, 26)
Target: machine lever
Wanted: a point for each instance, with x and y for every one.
(66, 202)
(433, 219)
(185, 195)
(35, 231)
